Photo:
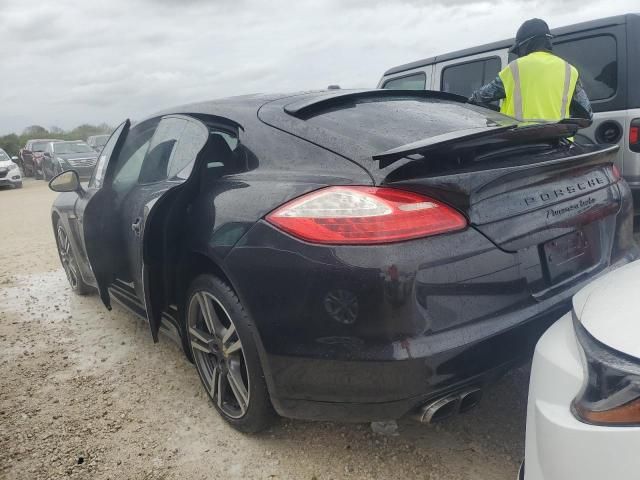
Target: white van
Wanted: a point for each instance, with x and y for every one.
(606, 52)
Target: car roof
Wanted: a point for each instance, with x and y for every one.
(243, 109)
(599, 23)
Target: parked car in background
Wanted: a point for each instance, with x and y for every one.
(583, 415)
(60, 156)
(9, 171)
(606, 52)
(345, 255)
(30, 157)
(97, 142)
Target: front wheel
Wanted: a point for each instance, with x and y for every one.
(70, 263)
(226, 356)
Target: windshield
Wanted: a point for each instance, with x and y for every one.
(3, 156)
(72, 147)
(39, 146)
(100, 140)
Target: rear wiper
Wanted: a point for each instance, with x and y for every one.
(482, 137)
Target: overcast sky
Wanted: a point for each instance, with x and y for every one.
(83, 61)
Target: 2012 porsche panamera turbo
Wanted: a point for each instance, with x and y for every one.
(343, 255)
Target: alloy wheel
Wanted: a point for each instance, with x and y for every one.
(66, 256)
(218, 354)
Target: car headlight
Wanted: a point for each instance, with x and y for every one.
(61, 161)
(13, 166)
(611, 391)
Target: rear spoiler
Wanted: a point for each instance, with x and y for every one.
(482, 137)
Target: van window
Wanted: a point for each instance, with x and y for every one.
(465, 78)
(410, 82)
(596, 61)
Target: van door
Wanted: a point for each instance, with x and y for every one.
(599, 55)
(465, 75)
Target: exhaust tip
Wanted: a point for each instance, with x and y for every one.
(469, 399)
(445, 407)
(438, 410)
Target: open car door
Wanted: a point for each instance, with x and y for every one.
(99, 225)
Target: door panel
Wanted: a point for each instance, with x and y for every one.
(97, 212)
(170, 159)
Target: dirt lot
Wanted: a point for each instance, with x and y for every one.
(84, 393)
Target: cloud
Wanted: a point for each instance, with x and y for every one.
(78, 61)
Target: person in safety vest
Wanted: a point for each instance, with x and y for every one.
(538, 85)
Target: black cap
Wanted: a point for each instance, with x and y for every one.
(530, 29)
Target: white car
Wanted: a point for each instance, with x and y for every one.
(583, 416)
(9, 171)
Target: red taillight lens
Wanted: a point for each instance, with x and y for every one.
(364, 215)
(634, 135)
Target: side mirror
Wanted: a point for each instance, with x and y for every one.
(14, 159)
(67, 181)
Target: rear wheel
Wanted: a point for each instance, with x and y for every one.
(225, 355)
(70, 263)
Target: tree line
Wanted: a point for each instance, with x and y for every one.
(13, 142)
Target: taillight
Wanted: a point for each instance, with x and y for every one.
(634, 135)
(364, 215)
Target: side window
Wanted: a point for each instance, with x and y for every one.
(596, 61)
(465, 78)
(193, 138)
(132, 155)
(156, 162)
(410, 82)
(101, 166)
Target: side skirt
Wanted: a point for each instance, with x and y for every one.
(124, 294)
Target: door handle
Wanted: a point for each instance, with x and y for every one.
(135, 226)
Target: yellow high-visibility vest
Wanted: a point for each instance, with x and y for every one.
(538, 86)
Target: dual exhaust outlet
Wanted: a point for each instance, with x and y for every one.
(444, 407)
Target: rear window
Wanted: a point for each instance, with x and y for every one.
(465, 78)
(375, 125)
(410, 82)
(597, 63)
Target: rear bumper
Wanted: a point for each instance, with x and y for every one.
(412, 381)
(431, 316)
(558, 446)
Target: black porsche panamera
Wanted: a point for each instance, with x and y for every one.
(344, 255)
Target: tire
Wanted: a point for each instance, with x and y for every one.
(70, 262)
(45, 176)
(37, 175)
(18, 185)
(226, 356)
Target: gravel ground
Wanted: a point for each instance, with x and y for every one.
(84, 393)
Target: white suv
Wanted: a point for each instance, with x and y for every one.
(9, 171)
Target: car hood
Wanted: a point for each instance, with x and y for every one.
(609, 308)
(6, 163)
(72, 156)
